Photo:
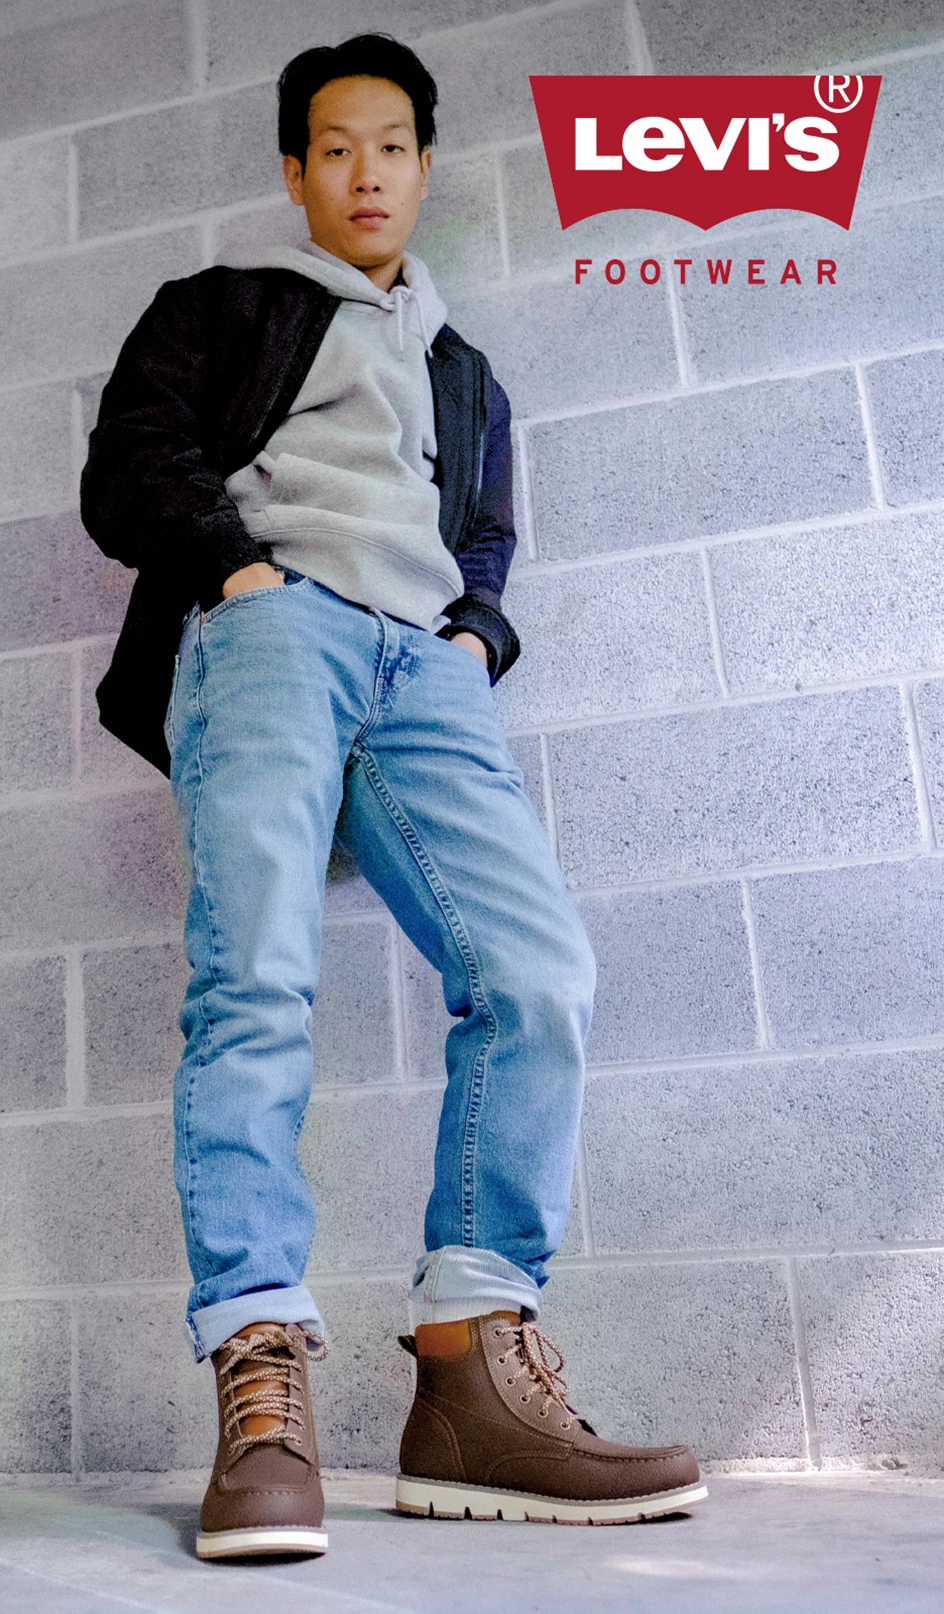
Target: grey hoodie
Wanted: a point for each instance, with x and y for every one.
(343, 489)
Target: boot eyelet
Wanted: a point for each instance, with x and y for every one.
(501, 1360)
(509, 1381)
(498, 1332)
(565, 1425)
(542, 1412)
(526, 1398)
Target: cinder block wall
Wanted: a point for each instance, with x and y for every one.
(730, 708)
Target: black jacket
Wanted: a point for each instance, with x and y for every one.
(208, 373)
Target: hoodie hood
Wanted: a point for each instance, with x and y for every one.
(344, 280)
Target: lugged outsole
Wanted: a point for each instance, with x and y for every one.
(265, 1540)
(435, 1499)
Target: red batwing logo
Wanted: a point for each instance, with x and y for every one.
(705, 148)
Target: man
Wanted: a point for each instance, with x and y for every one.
(312, 473)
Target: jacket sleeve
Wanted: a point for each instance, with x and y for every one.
(484, 555)
(149, 495)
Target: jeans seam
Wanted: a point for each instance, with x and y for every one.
(211, 933)
(467, 953)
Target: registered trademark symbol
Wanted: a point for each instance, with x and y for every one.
(839, 97)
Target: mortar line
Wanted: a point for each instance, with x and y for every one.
(446, 32)
(75, 1433)
(336, 1277)
(765, 1038)
(75, 1071)
(922, 792)
(72, 192)
(639, 52)
(526, 487)
(871, 441)
(75, 723)
(77, 443)
(501, 208)
(804, 1376)
(401, 1052)
(714, 625)
(582, 1171)
(686, 370)
(633, 715)
(197, 39)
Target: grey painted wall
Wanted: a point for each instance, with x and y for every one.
(730, 587)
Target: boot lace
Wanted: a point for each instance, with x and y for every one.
(530, 1351)
(267, 1384)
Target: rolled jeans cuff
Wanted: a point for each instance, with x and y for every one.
(211, 1325)
(456, 1282)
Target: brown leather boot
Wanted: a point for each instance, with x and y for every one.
(265, 1492)
(491, 1436)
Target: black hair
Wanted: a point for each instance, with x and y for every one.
(376, 55)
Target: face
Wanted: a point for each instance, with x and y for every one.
(364, 175)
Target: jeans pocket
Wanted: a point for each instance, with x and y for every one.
(170, 732)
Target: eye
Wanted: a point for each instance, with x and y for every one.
(392, 146)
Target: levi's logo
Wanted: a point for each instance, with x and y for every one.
(705, 148)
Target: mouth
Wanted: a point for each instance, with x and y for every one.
(369, 213)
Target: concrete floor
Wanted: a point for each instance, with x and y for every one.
(800, 1544)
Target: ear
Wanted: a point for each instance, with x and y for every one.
(426, 157)
(292, 170)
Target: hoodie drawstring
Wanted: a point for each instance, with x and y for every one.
(400, 295)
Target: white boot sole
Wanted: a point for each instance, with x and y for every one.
(267, 1539)
(435, 1499)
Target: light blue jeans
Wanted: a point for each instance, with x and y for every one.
(295, 715)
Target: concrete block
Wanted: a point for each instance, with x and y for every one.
(35, 1415)
(133, 998)
(673, 973)
(554, 345)
(246, 42)
(346, 890)
(840, 1149)
(852, 955)
(696, 1353)
(90, 389)
(85, 66)
(353, 1011)
(483, 75)
(35, 450)
(602, 639)
(535, 238)
(161, 165)
(841, 602)
(715, 462)
(363, 1391)
(273, 223)
(427, 1020)
(734, 36)
(32, 1034)
(102, 756)
(884, 297)
(905, 154)
(457, 232)
(740, 785)
(55, 584)
(929, 710)
(86, 870)
(874, 1341)
(905, 397)
(35, 722)
(144, 1405)
(89, 1202)
(369, 1159)
(72, 313)
(34, 204)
